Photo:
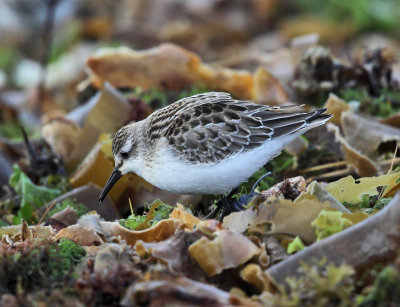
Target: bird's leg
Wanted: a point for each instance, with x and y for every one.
(226, 205)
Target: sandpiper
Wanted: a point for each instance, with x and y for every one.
(207, 143)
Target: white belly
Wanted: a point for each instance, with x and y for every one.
(169, 173)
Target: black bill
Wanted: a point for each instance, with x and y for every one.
(115, 175)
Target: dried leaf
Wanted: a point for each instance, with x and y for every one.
(315, 189)
(173, 252)
(187, 218)
(254, 275)
(181, 291)
(282, 216)
(336, 107)
(165, 67)
(82, 235)
(227, 250)
(351, 190)
(362, 164)
(366, 135)
(159, 232)
(371, 241)
(267, 89)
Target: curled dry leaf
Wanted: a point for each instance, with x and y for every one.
(267, 89)
(88, 195)
(336, 107)
(61, 133)
(315, 189)
(227, 250)
(39, 232)
(282, 216)
(362, 164)
(159, 232)
(366, 135)
(66, 216)
(165, 67)
(253, 274)
(104, 113)
(174, 253)
(351, 190)
(179, 213)
(393, 120)
(371, 241)
(181, 291)
(109, 258)
(83, 235)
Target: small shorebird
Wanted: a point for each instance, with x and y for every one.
(207, 143)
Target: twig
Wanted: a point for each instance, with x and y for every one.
(45, 213)
(47, 37)
(394, 158)
(323, 166)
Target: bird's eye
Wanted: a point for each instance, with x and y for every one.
(124, 155)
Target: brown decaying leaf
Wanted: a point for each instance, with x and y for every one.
(365, 134)
(105, 113)
(371, 241)
(253, 274)
(169, 67)
(314, 189)
(281, 216)
(88, 195)
(174, 253)
(268, 89)
(159, 232)
(362, 164)
(336, 107)
(179, 213)
(227, 250)
(165, 67)
(327, 30)
(181, 291)
(39, 232)
(82, 235)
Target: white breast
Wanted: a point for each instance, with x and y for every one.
(170, 173)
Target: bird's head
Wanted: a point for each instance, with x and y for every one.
(124, 148)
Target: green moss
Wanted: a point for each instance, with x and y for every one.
(386, 104)
(132, 221)
(319, 285)
(369, 203)
(193, 90)
(56, 182)
(364, 15)
(385, 290)
(47, 266)
(154, 97)
(80, 209)
(161, 212)
(8, 57)
(71, 252)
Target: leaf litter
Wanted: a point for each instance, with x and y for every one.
(318, 225)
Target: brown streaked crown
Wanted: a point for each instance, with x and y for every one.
(119, 140)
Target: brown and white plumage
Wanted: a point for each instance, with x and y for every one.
(208, 143)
